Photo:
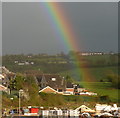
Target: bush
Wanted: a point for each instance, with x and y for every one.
(104, 98)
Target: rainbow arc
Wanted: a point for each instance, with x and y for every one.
(67, 35)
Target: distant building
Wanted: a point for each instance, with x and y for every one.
(90, 53)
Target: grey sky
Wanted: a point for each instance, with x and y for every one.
(27, 28)
(60, 0)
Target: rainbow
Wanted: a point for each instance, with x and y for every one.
(67, 35)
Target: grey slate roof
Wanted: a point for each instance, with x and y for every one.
(52, 80)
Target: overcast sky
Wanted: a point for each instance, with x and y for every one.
(27, 28)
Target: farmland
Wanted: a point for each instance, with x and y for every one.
(60, 63)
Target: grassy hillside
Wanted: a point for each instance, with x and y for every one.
(57, 63)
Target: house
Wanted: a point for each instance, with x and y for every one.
(48, 90)
(3, 69)
(6, 76)
(105, 108)
(54, 81)
(1, 76)
(82, 91)
(69, 89)
(84, 108)
(3, 88)
(88, 93)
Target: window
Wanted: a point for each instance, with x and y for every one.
(59, 90)
(53, 79)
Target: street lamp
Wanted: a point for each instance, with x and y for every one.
(20, 91)
(11, 101)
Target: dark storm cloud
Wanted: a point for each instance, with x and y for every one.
(96, 24)
(27, 28)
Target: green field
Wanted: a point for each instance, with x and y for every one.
(98, 73)
(52, 63)
(102, 89)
